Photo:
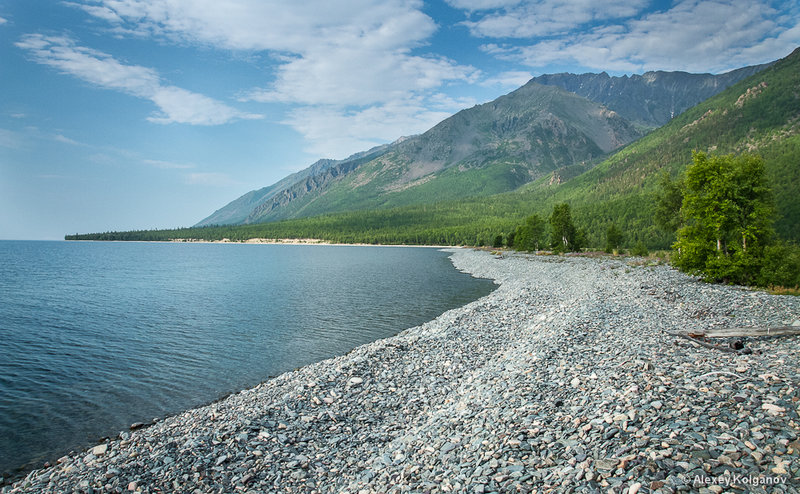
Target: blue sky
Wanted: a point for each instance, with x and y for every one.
(138, 114)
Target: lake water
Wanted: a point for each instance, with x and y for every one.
(96, 336)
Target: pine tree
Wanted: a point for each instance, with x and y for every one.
(564, 236)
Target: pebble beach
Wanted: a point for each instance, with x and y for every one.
(567, 378)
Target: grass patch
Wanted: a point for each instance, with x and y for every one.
(782, 290)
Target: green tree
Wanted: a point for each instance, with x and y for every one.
(498, 241)
(727, 214)
(564, 237)
(669, 199)
(613, 238)
(529, 236)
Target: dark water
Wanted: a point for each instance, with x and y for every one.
(96, 336)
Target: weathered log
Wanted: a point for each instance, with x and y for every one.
(707, 345)
(773, 332)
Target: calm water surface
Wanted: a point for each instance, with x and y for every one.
(96, 336)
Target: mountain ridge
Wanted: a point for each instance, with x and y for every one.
(650, 99)
(759, 114)
(520, 136)
(418, 168)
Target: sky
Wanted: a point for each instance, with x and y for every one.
(141, 114)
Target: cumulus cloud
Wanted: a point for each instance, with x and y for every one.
(333, 62)
(483, 4)
(526, 19)
(355, 52)
(176, 105)
(692, 35)
(261, 25)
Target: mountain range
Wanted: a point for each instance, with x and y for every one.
(476, 176)
(562, 123)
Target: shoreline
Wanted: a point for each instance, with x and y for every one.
(266, 241)
(530, 387)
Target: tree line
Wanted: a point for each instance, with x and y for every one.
(720, 214)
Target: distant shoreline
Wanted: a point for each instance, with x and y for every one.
(270, 241)
(294, 241)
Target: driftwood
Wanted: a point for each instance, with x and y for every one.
(749, 332)
(693, 339)
(737, 347)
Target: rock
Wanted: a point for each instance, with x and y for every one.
(100, 449)
(576, 382)
(634, 487)
(773, 409)
(355, 381)
(606, 464)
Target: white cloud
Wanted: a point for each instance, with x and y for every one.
(180, 105)
(332, 60)
(527, 19)
(693, 35)
(3, 21)
(100, 12)
(274, 25)
(333, 131)
(356, 77)
(66, 140)
(177, 105)
(483, 4)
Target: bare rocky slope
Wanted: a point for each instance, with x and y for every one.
(651, 99)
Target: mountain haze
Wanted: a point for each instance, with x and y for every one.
(239, 210)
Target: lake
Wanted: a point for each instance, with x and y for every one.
(95, 336)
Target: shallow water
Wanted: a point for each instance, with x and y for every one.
(96, 336)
